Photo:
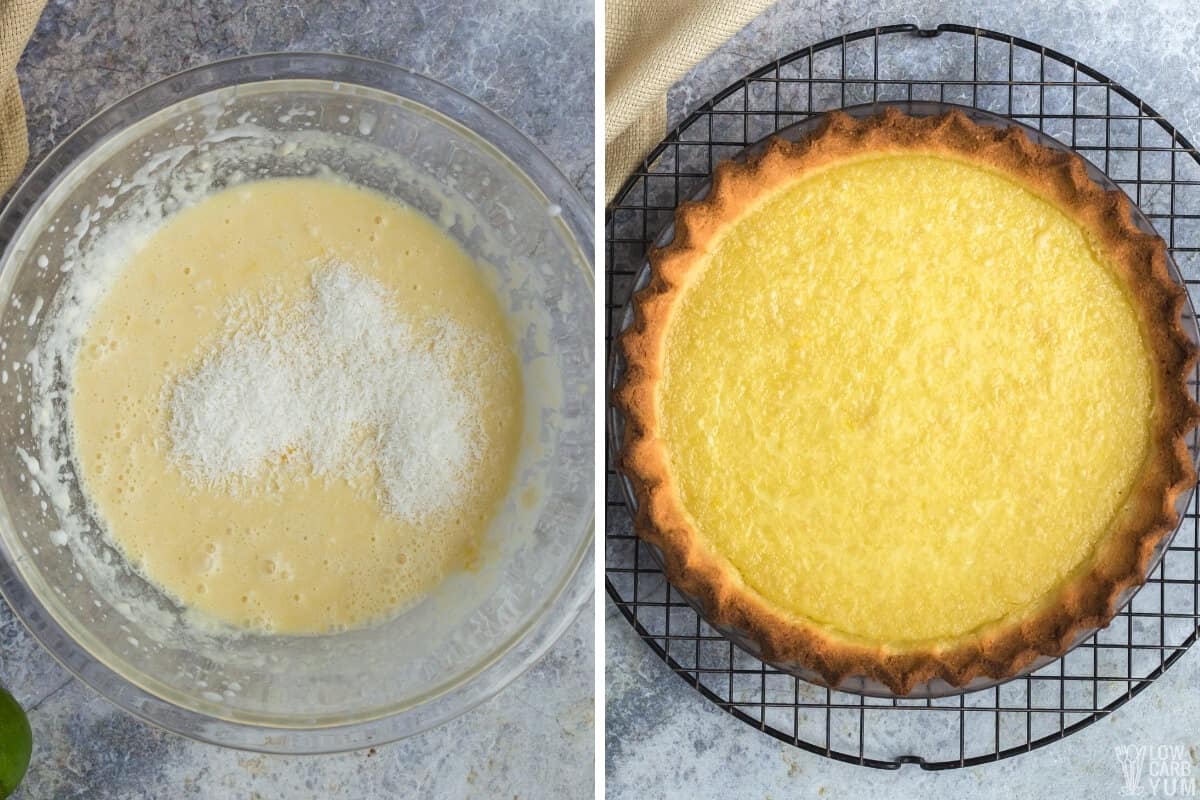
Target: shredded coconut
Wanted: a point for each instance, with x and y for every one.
(338, 381)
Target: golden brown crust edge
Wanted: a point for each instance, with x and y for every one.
(1089, 599)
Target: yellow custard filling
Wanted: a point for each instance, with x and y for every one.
(905, 398)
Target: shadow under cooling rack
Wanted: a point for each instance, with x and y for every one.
(1103, 122)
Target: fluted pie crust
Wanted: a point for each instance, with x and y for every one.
(1089, 597)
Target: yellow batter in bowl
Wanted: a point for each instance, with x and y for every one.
(299, 541)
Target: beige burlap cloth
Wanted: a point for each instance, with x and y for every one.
(648, 46)
(17, 20)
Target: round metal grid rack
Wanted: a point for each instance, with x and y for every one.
(1103, 122)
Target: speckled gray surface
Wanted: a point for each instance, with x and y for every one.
(532, 63)
(663, 738)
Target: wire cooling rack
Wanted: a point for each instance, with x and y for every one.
(1104, 123)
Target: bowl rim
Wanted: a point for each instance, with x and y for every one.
(522, 650)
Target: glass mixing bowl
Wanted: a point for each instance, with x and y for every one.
(428, 147)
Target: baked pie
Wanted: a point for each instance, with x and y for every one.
(908, 400)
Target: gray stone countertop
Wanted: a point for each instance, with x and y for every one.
(664, 739)
(531, 62)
